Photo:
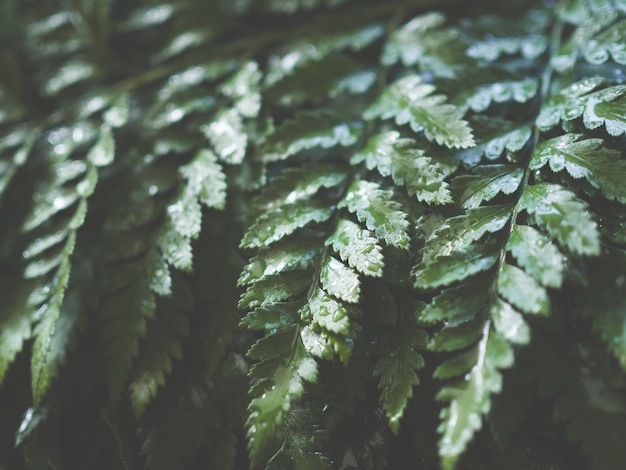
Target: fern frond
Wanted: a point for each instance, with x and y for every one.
(407, 165)
(161, 344)
(311, 129)
(585, 158)
(563, 215)
(378, 210)
(398, 365)
(486, 182)
(381, 183)
(423, 41)
(411, 101)
(470, 398)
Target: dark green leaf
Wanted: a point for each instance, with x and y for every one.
(377, 209)
(563, 215)
(409, 100)
(486, 182)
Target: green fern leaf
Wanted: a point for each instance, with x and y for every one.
(274, 317)
(206, 179)
(494, 136)
(608, 107)
(327, 345)
(397, 368)
(470, 398)
(458, 265)
(300, 183)
(122, 332)
(10, 163)
(288, 255)
(407, 166)
(486, 182)
(585, 158)
(227, 135)
(409, 100)
(457, 233)
(244, 89)
(15, 329)
(609, 43)
(317, 80)
(509, 323)
(422, 41)
(329, 314)
(299, 448)
(161, 345)
(537, 255)
(53, 330)
(283, 221)
(339, 34)
(277, 394)
(522, 291)
(357, 247)
(596, 38)
(176, 246)
(340, 281)
(273, 289)
(446, 305)
(493, 48)
(310, 129)
(377, 209)
(43, 370)
(566, 105)
(563, 215)
(484, 94)
(118, 113)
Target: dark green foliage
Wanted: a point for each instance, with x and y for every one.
(312, 234)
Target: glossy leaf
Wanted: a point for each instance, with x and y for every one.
(267, 410)
(397, 368)
(567, 104)
(357, 247)
(227, 136)
(411, 101)
(377, 209)
(283, 221)
(486, 183)
(206, 179)
(310, 129)
(470, 399)
(340, 281)
(563, 215)
(585, 158)
(408, 166)
(458, 265)
(244, 89)
(537, 255)
(522, 291)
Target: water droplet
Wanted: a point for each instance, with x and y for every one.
(41, 312)
(175, 115)
(339, 315)
(69, 170)
(26, 420)
(93, 105)
(58, 135)
(78, 135)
